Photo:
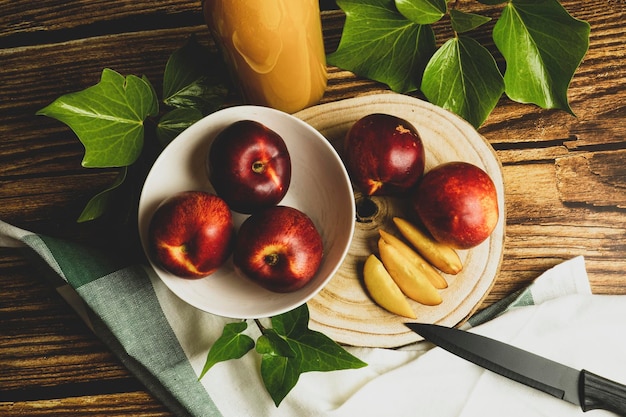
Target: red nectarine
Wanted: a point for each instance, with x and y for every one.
(279, 248)
(249, 166)
(384, 154)
(458, 204)
(191, 234)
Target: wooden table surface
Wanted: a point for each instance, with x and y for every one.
(565, 178)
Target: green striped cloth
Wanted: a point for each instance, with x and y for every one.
(164, 342)
(121, 306)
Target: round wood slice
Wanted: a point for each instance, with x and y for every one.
(343, 310)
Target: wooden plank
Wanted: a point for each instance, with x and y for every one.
(53, 20)
(131, 404)
(604, 126)
(38, 326)
(542, 231)
(597, 179)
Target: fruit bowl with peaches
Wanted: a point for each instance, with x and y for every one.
(375, 211)
(248, 213)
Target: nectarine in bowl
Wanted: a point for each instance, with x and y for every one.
(319, 188)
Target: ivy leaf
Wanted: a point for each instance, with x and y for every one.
(232, 344)
(423, 12)
(174, 122)
(463, 77)
(195, 78)
(381, 44)
(308, 351)
(99, 204)
(271, 343)
(464, 22)
(543, 46)
(293, 322)
(108, 118)
(318, 351)
(280, 368)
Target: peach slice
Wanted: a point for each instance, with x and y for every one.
(383, 289)
(439, 255)
(416, 260)
(413, 283)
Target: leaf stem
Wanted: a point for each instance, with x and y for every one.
(260, 325)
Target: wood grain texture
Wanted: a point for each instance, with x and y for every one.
(597, 179)
(52, 47)
(122, 404)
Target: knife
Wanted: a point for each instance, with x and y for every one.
(580, 387)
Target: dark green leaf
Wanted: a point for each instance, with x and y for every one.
(108, 118)
(174, 122)
(307, 351)
(271, 343)
(320, 353)
(543, 45)
(379, 43)
(232, 344)
(492, 1)
(280, 365)
(463, 78)
(464, 22)
(99, 204)
(292, 323)
(280, 374)
(423, 12)
(195, 78)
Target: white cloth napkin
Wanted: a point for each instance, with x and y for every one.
(564, 323)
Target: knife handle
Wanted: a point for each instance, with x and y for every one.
(599, 392)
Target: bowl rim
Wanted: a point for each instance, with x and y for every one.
(203, 131)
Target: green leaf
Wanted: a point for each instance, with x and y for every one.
(543, 46)
(308, 351)
(271, 343)
(280, 374)
(108, 118)
(423, 12)
(174, 122)
(464, 22)
(379, 43)
(99, 204)
(463, 77)
(232, 344)
(318, 351)
(293, 322)
(321, 353)
(195, 78)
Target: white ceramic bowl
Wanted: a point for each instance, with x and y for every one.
(320, 187)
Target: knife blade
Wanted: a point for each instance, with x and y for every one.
(580, 387)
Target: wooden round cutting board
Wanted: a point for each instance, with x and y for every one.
(343, 310)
